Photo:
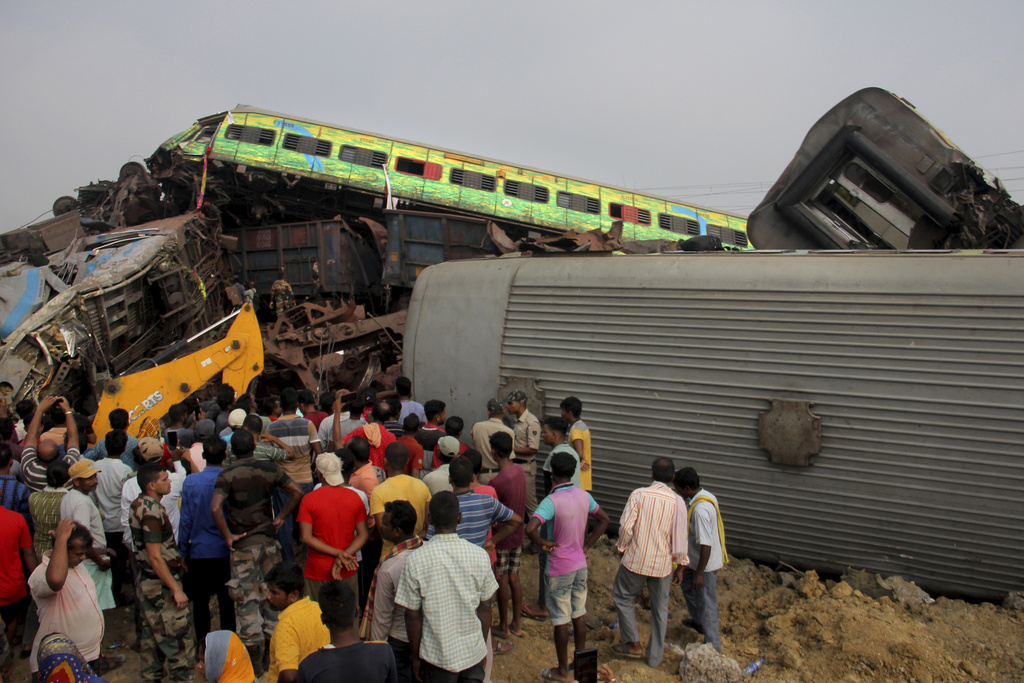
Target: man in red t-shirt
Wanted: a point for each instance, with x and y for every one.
(17, 561)
(332, 524)
(411, 426)
(375, 434)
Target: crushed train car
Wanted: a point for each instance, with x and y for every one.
(873, 173)
(78, 313)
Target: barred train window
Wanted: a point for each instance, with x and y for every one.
(578, 202)
(362, 156)
(251, 134)
(527, 191)
(472, 179)
(304, 144)
(680, 224)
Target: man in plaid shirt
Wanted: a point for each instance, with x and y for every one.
(446, 588)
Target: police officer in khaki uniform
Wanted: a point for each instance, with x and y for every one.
(525, 443)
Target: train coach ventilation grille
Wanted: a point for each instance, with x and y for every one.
(527, 191)
(472, 180)
(680, 224)
(739, 238)
(251, 134)
(362, 156)
(304, 144)
(578, 202)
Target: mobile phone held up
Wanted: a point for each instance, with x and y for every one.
(585, 665)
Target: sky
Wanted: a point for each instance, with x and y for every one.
(704, 102)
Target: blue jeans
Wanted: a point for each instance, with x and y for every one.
(286, 534)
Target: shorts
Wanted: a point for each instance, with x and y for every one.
(17, 609)
(509, 561)
(567, 596)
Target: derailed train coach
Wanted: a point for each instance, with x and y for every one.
(82, 302)
(856, 408)
(873, 173)
(849, 409)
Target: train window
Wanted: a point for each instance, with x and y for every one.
(628, 213)
(863, 179)
(680, 224)
(719, 232)
(578, 202)
(206, 133)
(472, 179)
(304, 144)
(362, 156)
(424, 169)
(527, 191)
(251, 134)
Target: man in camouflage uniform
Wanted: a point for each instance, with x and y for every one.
(250, 531)
(167, 633)
(281, 294)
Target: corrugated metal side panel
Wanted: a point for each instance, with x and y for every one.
(920, 396)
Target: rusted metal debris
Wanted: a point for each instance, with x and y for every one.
(324, 346)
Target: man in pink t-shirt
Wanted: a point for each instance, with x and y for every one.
(332, 525)
(567, 509)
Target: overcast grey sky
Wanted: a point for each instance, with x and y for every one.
(689, 98)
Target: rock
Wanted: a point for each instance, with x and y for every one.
(968, 668)
(704, 664)
(809, 584)
(1014, 601)
(865, 582)
(842, 590)
(788, 579)
(906, 592)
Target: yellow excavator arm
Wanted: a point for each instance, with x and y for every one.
(148, 394)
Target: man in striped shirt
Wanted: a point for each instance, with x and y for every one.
(39, 452)
(652, 532)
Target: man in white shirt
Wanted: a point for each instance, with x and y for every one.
(151, 450)
(110, 480)
(79, 507)
(706, 553)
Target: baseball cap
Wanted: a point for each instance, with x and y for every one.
(495, 406)
(448, 445)
(236, 418)
(83, 469)
(517, 395)
(329, 465)
(205, 429)
(151, 449)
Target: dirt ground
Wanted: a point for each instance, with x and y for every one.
(809, 631)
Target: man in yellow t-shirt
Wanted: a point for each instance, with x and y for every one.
(300, 631)
(578, 437)
(398, 486)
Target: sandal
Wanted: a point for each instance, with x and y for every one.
(529, 613)
(551, 675)
(623, 650)
(106, 664)
(503, 647)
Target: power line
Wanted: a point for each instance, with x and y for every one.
(1000, 154)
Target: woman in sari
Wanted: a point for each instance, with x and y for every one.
(61, 662)
(226, 660)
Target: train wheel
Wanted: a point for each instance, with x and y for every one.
(64, 205)
(131, 169)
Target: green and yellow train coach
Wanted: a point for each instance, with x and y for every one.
(344, 159)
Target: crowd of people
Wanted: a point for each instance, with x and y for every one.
(361, 541)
